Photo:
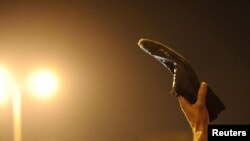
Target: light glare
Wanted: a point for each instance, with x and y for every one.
(43, 83)
(5, 85)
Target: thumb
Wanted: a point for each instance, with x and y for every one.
(202, 94)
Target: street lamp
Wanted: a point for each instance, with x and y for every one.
(5, 83)
(42, 83)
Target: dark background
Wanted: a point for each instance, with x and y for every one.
(110, 90)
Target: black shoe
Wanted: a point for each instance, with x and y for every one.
(185, 80)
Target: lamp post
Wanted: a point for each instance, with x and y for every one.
(42, 83)
(16, 105)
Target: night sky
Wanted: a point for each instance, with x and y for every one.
(110, 90)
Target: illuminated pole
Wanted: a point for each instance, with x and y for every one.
(42, 83)
(7, 86)
(17, 125)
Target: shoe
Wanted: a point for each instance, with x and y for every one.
(185, 80)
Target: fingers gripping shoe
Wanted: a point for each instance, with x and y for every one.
(185, 80)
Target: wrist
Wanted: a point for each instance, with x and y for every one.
(200, 134)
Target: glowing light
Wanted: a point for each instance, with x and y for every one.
(43, 83)
(16, 100)
(5, 85)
